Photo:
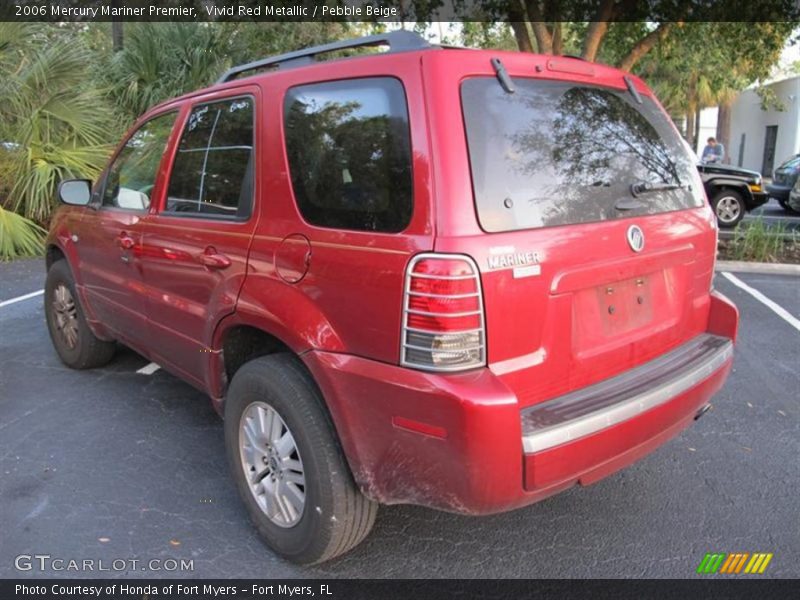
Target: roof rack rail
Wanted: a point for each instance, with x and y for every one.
(398, 41)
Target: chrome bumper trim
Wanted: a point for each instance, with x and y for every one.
(589, 410)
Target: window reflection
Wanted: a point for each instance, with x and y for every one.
(350, 154)
(555, 153)
(213, 171)
(131, 177)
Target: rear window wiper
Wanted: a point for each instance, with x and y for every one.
(502, 76)
(645, 187)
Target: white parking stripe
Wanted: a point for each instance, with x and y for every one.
(21, 298)
(149, 369)
(776, 308)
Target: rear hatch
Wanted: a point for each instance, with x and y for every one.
(595, 248)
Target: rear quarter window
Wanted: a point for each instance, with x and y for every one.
(558, 153)
(349, 152)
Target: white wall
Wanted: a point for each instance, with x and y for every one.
(708, 128)
(747, 118)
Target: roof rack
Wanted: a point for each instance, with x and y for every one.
(398, 41)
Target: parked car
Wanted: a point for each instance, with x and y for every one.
(462, 279)
(794, 196)
(732, 191)
(783, 179)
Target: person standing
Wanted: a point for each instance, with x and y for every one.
(714, 152)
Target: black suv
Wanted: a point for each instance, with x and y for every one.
(783, 179)
(732, 191)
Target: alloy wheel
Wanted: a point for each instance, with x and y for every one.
(728, 209)
(66, 316)
(272, 464)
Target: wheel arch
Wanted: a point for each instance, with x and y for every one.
(719, 185)
(54, 253)
(241, 337)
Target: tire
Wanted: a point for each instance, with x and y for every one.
(787, 207)
(729, 208)
(76, 345)
(334, 516)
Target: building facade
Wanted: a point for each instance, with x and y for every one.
(762, 139)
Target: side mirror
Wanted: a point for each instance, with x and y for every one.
(77, 192)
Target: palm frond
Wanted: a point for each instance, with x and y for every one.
(59, 124)
(19, 236)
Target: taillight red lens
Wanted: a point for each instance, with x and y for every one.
(443, 321)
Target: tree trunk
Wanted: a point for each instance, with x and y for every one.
(116, 35)
(696, 140)
(644, 45)
(522, 36)
(544, 40)
(594, 37)
(597, 30)
(558, 42)
(116, 29)
(724, 128)
(690, 132)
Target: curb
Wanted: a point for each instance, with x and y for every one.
(729, 234)
(755, 267)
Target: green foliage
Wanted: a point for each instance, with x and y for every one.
(760, 243)
(19, 236)
(162, 60)
(488, 35)
(55, 122)
(701, 64)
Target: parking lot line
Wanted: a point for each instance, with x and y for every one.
(149, 369)
(775, 307)
(21, 298)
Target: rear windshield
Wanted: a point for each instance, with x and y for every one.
(556, 153)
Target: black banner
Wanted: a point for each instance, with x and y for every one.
(395, 10)
(205, 589)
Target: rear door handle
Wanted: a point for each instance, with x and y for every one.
(214, 260)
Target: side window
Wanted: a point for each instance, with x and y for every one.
(213, 169)
(132, 175)
(349, 152)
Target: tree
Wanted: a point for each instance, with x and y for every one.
(53, 122)
(707, 64)
(541, 25)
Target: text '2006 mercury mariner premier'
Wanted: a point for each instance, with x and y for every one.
(456, 278)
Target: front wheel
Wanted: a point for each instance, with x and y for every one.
(76, 345)
(287, 463)
(728, 207)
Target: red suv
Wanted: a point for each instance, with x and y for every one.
(461, 279)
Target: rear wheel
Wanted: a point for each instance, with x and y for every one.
(287, 464)
(76, 345)
(729, 208)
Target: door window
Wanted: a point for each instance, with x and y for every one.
(213, 170)
(132, 176)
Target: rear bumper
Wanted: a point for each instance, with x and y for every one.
(461, 443)
(779, 190)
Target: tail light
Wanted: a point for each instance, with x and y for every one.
(443, 320)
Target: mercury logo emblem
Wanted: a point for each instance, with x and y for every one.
(636, 238)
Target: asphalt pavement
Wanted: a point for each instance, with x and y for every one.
(773, 214)
(112, 464)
